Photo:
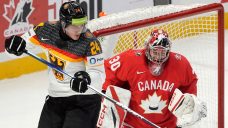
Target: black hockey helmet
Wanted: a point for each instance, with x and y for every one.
(72, 13)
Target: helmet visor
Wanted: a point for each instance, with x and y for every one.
(79, 21)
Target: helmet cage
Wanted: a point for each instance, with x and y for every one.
(158, 50)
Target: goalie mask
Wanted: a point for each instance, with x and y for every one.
(157, 50)
(158, 46)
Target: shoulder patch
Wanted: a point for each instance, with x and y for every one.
(39, 25)
(88, 34)
(178, 56)
(95, 60)
(138, 53)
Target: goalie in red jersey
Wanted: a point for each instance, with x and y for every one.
(163, 84)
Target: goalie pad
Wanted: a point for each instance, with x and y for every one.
(187, 108)
(111, 115)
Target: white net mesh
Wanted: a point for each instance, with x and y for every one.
(195, 37)
(135, 15)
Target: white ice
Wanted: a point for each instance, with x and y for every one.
(22, 98)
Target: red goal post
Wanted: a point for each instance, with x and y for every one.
(197, 26)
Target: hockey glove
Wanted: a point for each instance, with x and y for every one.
(187, 108)
(80, 82)
(15, 45)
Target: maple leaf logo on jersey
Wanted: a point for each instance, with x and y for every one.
(153, 104)
(17, 13)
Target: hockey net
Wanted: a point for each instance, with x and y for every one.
(196, 31)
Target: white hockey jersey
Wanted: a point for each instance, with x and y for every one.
(72, 56)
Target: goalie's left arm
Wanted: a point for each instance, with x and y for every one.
(187, 108)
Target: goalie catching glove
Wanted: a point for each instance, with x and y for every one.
(187, 108)
(15, 45)
(80, 82)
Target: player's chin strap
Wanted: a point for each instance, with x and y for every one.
(94, 89)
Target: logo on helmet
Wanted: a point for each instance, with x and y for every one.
(158, 46)
(66, 6)
(71, 13)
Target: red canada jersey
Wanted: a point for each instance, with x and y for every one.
(150, 95)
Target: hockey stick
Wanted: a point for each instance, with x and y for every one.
(94, 89)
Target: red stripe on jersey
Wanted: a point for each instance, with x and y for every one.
(68, 54)
(177, 103)
(120, 110)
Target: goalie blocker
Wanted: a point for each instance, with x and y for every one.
(187, 108)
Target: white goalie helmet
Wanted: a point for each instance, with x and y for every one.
(158, 46)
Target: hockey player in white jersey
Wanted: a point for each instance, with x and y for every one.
(69, 45)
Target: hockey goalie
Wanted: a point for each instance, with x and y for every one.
(162, 83)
